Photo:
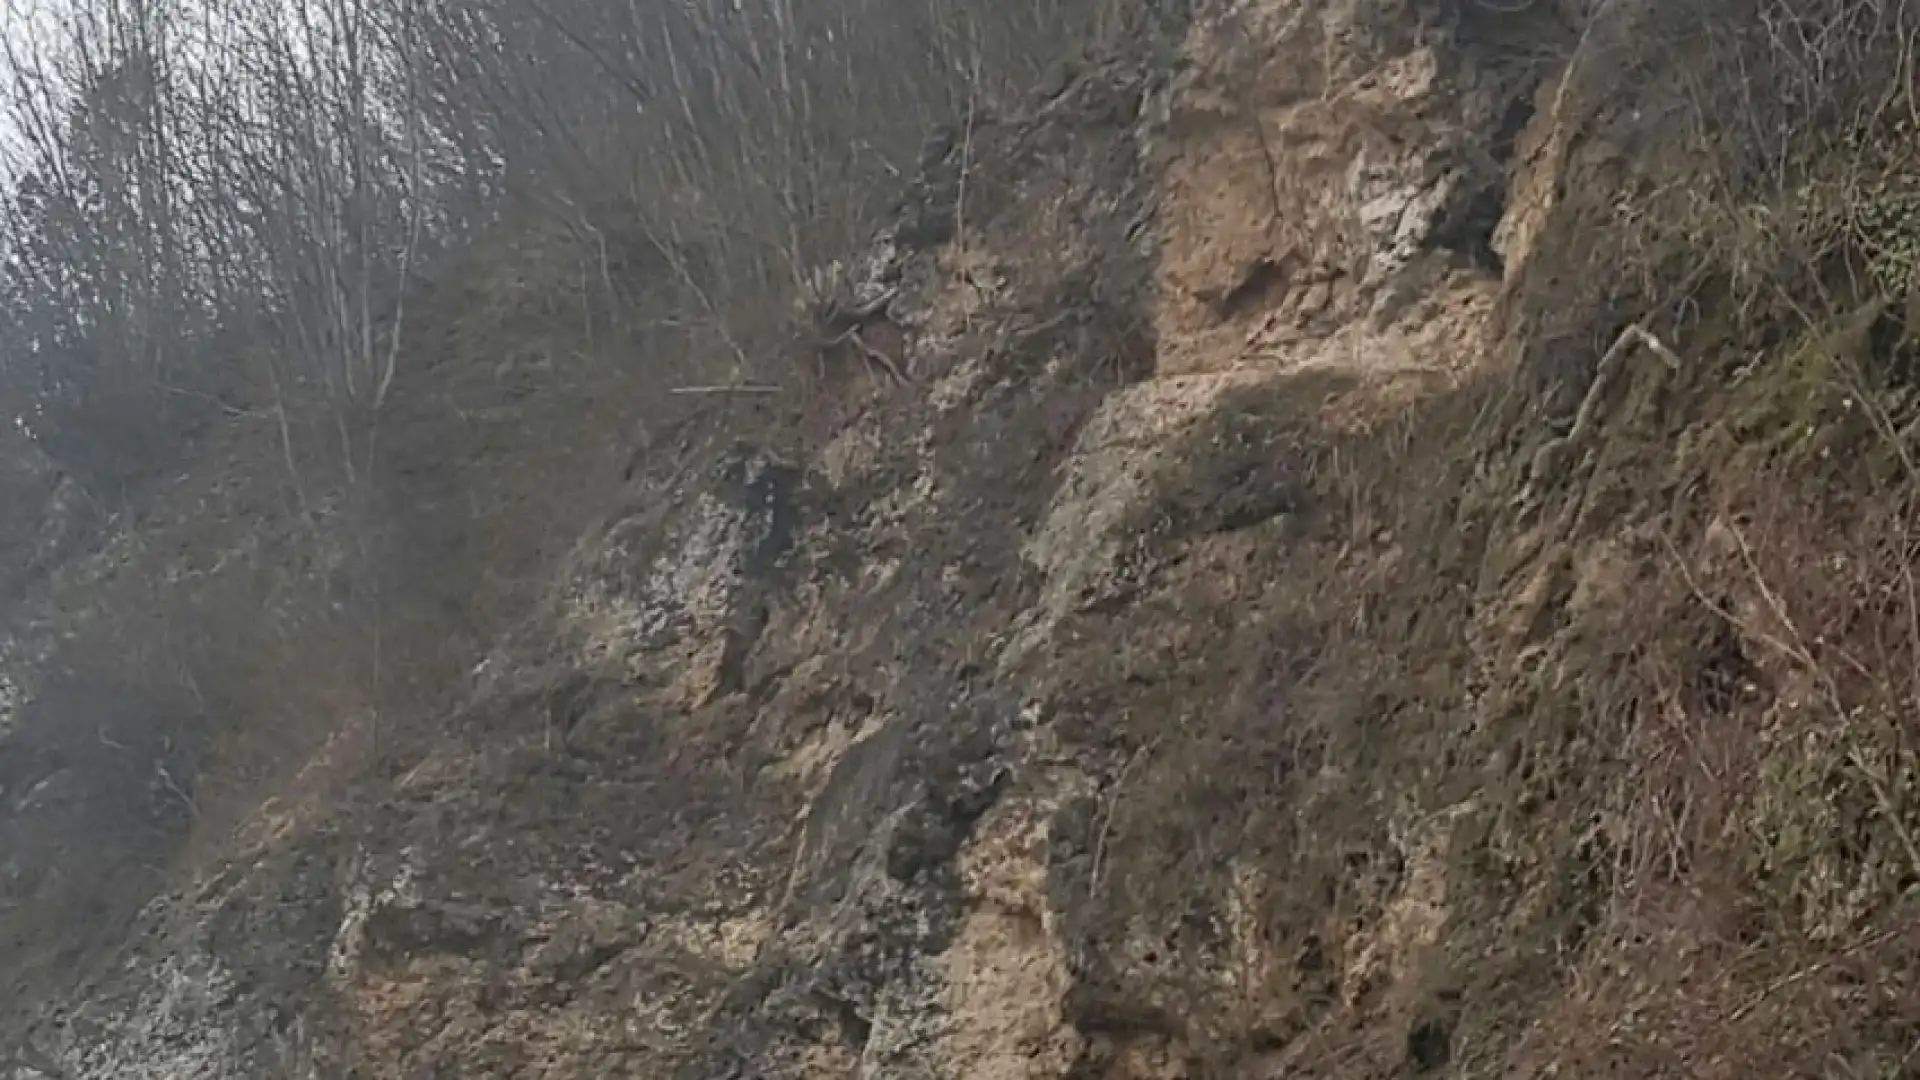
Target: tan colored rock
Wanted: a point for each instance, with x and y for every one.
(1006, 972)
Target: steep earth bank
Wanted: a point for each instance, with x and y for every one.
(1288, 591)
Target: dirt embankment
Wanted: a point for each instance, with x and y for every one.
(1261, 617)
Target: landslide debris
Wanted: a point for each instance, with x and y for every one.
(1174, 660)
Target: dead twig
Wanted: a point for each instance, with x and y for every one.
(876, 357)
(1113, 803)
(1808, 972)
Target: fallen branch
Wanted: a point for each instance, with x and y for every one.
(1557, 455)
(741, 388)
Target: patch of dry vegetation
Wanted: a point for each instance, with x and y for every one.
(1607, 770)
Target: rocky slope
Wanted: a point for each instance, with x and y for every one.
(1249, 617)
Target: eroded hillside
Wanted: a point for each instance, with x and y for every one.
(1341, 561)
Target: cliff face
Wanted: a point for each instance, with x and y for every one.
(1183, 660)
